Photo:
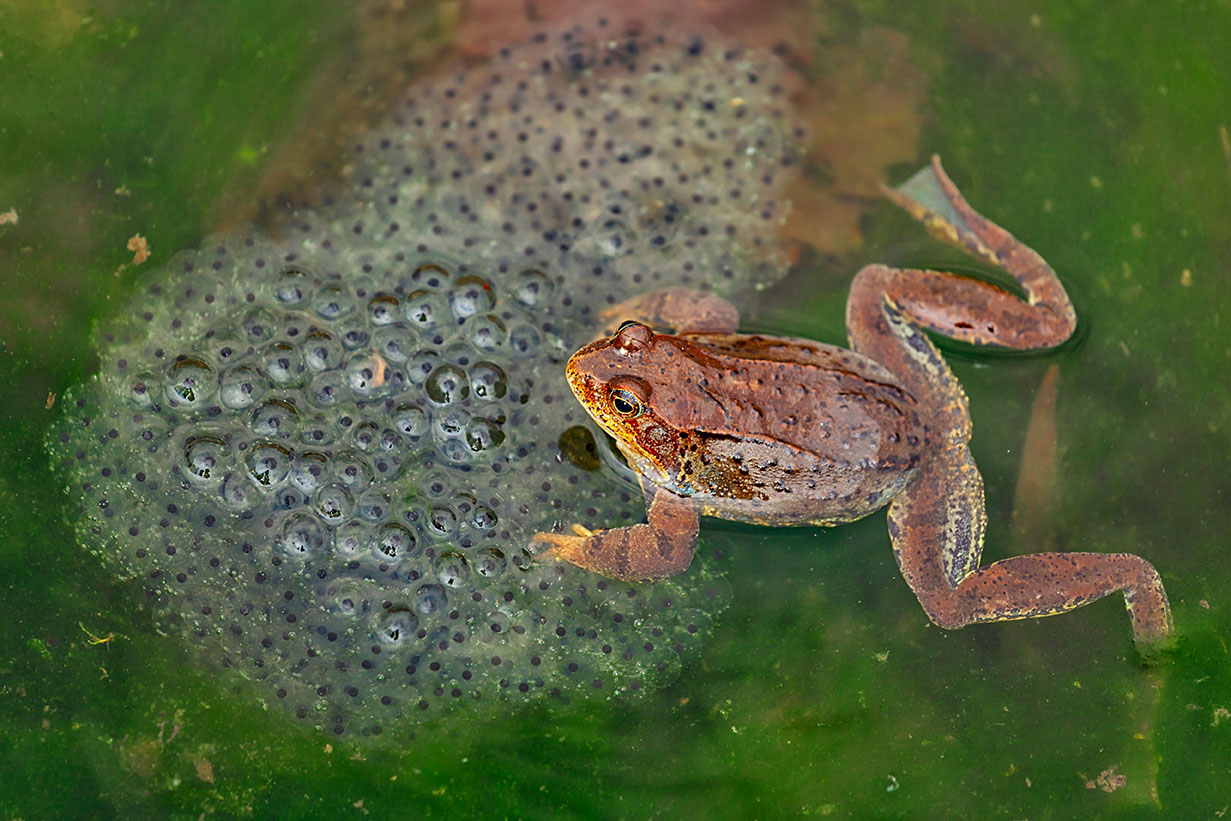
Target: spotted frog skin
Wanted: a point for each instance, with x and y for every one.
(782, 431)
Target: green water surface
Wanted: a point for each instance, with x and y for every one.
(1096, 131)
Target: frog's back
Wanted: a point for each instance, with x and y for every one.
(791, 431)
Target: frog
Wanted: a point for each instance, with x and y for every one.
(782, 431)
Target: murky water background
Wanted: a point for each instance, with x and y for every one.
(1099, 138)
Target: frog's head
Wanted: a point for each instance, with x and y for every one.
(618, 382)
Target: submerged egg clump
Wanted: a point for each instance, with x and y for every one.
(324, 454)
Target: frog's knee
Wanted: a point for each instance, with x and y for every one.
(945, 611)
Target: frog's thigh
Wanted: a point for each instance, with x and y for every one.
(937, 524)
(644, 552)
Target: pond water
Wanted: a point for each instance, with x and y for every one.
(820, 687)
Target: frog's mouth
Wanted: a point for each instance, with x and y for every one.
(586, 389)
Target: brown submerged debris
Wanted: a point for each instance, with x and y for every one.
(140, 247)
(1108, 780)
(8, 217)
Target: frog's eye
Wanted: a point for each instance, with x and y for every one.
(625, 324)
(625, 403)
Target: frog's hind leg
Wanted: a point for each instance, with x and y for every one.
(937, 525)
(937, 521)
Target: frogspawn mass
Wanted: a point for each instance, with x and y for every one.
(323, 453)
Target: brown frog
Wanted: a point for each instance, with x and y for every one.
(782, 431)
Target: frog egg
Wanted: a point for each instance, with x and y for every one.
(309, 470)
(471, 295)
(287, 497)
(389, 444)
(451, 569)
(424, 309)
(191, 384)
(364, 436)
(321, 352)
(483, 435)
(352, 470)
(345, 601)
(268, 465)
(458, 353)
(394, 342)
(365, 373)
(421, 365)
(290, 288)
(482, 517)
(455, 451)
(524, 340)
(258, 326)
(493, 628)
(396, 627)
(333, 503)
(237, 493)
(490, 563)
(383, 310)
(392, 542)
(486, 333)
(488, 381)
(138, 389)
(431, 600)
(353, 334)
(440, 521)
(446, 385)
(532, 288)
(205, 458)
(316, 430)
(327, 389)
(436, 484)
(332, 302)
(431, 276)
(281, 363)
(411, 420)
(609, 238)
(352, 540)
(450, 424)
(301, 536)
(241, 387)
(372, 506)
(226, 350)
(275, 418)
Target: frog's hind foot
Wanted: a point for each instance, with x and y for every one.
(945, 303)
(937, 538)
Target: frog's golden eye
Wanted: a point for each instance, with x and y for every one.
(625, 403)
(626, 323)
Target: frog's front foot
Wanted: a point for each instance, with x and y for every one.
(563, 546)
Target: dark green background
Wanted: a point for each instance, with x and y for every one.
(1092, 129)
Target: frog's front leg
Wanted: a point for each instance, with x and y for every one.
(640, 553)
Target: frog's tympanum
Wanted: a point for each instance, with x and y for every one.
(781, 431)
